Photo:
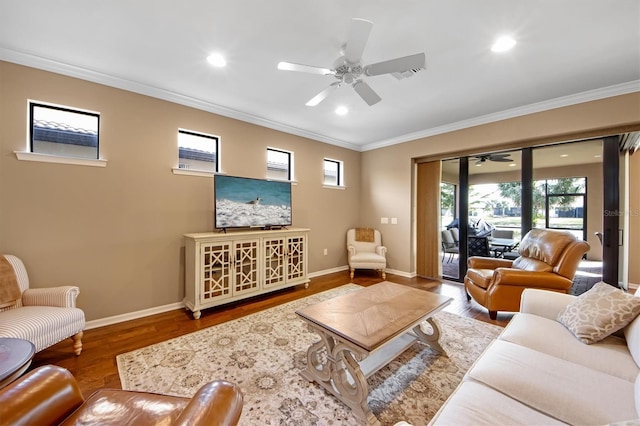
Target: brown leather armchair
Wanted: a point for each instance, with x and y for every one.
(548, 260)
(49, 395)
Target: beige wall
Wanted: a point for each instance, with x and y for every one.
(388, 176)
(116, 231)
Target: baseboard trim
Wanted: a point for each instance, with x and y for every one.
(328, 271)
(401, 273)
(346, 268)
(102, 322)
(132, 315)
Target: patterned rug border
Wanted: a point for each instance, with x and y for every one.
(265, 362)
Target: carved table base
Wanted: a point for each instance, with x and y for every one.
(342, 368)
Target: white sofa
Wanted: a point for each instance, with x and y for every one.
(538, 373)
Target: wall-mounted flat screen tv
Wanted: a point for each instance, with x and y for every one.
(258, 203)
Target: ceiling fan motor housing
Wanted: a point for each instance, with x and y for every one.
(348, 74)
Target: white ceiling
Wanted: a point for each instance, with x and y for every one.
(567, 52)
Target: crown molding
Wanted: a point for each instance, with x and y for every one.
(30, 60)
(27, 59)
(578, 98)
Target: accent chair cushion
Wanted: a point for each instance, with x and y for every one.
(480, 277)
(41, 325)
(531, 264)
(367, 260)
(9, 289)
(599, 312)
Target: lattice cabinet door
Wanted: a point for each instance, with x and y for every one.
(216, 271)
(274, 261)
(296, 259)
(246, 272)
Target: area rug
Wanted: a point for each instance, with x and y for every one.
(264, 352)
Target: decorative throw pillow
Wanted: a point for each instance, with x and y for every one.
(599, 312)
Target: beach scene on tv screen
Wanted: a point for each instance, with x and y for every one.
(243, 202)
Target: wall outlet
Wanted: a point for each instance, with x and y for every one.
(325, 252)
(384, 220)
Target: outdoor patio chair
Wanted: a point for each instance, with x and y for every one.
(449, 245)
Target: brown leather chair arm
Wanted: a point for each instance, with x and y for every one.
(479, 262)
(44, 396)
(530, 279)
(218, 403)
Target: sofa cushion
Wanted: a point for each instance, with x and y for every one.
(632, 334)
(475, 403)
(599, 312)
(566, 391)
(610, 355)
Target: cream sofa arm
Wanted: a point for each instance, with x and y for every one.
(351, 250)
(62, 297)
(381, 250)
(544, 303)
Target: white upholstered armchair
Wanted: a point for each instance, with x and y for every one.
(365, 250)
(43, 316)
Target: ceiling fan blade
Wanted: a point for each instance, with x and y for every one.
(322, 95)
(288, 66)
(358, 35)
(500, 159)
(366, 92)
(405, 63)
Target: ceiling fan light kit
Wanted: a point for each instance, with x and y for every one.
(348, 69)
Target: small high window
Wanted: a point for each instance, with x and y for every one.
(333, 172)
(279, 164)
(197, 151)
(63, 131)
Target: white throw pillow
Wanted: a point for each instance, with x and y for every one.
(599, 312)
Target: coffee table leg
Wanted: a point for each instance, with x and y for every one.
(333, 366)
(430, 337)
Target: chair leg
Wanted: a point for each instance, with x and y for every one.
(384, 275)
(468, 296)
(493, 314)
(351, 273)
(77, 343)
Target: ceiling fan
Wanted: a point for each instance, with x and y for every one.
(500, 158)
(349, 71)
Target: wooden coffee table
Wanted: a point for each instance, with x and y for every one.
(363, 331)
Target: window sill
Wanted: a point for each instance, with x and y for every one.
(340, 187)
(44, 158)
(292, 182)
(188, 172)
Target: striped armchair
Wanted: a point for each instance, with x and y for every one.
(43, 316)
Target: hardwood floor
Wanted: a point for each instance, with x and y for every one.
(96, 367)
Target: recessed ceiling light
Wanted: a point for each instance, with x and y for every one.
(478, 164)
(564, 155)
(503, 44)
(216, 60)
(342, 110)
(512, 165)
(597, 156)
